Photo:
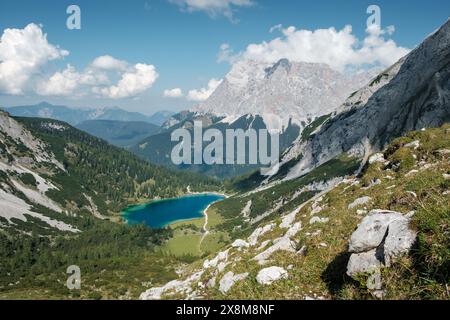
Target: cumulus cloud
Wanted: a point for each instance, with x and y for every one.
(70, 82)
(109, 63)
(173, 93)
(204, 93)
(133, 82)
(340, 49)
(25, 56)
(226, 54)
(213, 8)
(23, 52)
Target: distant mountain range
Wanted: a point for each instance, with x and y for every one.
(75, 116)
(119, 133)
(286, 95)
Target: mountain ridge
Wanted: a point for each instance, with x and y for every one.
(75, 116)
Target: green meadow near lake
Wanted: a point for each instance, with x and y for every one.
(186, 216)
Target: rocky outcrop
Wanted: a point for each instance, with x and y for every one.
(381, 237)
(183, 287)
(283, 244)
(239, 243)
(415, 94)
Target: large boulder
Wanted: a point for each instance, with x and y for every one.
(372, 230)
(381, 237)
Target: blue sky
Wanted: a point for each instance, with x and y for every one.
(183, 42)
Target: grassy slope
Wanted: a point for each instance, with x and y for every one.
(423, 274)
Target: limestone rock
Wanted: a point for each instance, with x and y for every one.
(372, 230)
(381, 237)
(229, 279)
(253, 238)
(365, 262)
(377, 157)
(240, 244)
(269, 275)
(314, 220)
(399, 240)
(288, 220)
(282, 244)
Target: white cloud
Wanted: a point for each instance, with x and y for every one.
(25, 56)
(133, 82)
(226, 54)
(204, 93)
(23, 53)
(109, 63)
(276, 28)
(70, 82)
(173, 93)
(213, 8)
(338, 48)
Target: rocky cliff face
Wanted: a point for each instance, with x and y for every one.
(24, 165)
(412, 94)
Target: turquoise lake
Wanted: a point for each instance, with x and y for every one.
(160, 213)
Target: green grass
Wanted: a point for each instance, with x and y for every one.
(183, 244)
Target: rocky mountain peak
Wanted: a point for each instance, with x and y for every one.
(281, 92)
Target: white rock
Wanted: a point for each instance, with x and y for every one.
(302, 251)
(365, 262)
(288, 220)
(229, 280)
(381, 237)
(372, 230)
(410, 173)
(253, 238)
(444, 151)
(221, 266)
(377, 157)
(373, 183)
(247, 209)
(264, 244)
(283, 244)
(269, 275)
(413, 145)
(211, 282)
(412, 193)
(399, 240)
(221, 256)
(359, 202)
(175, 286)
(293, 230)
(240, 244)
(314, 220)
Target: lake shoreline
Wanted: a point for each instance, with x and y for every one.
(135, 209)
